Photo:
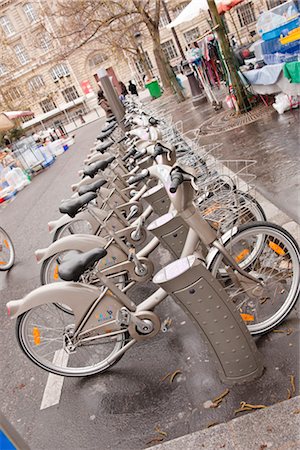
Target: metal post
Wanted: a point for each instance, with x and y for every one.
(111, 95)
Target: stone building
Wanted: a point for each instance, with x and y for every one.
(62, 91)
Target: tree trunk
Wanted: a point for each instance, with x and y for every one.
(167, 75)
(142, 59)
(237, 85)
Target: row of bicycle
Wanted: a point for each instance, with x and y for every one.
(232, 269)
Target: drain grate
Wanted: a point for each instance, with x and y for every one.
(228, 120)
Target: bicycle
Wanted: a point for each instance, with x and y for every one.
(7, 251)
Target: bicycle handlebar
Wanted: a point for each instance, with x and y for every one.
(176, 180)
(140, 176)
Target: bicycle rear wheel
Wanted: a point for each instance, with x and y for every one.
(43, 334)
(270, 254)
(7, 251)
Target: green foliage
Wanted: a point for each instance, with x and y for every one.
(13, 135)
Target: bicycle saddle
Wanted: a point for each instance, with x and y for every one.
(104, 146)
(74, 266)
(108, 127)
(110, 119)
(107, 133)
(94, 168)
(93, 187)
(72, 206)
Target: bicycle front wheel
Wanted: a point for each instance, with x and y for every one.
(271, 255)
(7, 251)
(43, 334)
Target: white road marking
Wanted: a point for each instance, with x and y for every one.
(55, 383)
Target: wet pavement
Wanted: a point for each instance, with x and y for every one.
(273, 141)
(119, 410)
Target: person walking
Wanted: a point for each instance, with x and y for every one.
(104, 104)
(132, 88)
(124, 91)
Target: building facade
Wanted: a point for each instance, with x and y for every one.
(34, 76)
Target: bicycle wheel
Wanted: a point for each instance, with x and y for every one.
(43, 333)
(270, 254)
(74, 227)
(7, 251)
(50, 274)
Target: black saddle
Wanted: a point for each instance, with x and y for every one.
(108, 126)
(77, 263)
(93, 187)
(111, 119)
(72, 206)
(104, 146)
(106, 134)
(96, 167)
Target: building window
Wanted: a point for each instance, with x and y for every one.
(139, 64)
(191, 35)
(163, 21)
(35, 83)
(59, 71)
(47, 105)
(246, 14)
(13, 94)
(273, 3)
(45, 42)
(7, 26)
(70, 94)
(97, 59)
(169, 49)
(30, 12)
(3, 69)
(177, 10)
(21, 54)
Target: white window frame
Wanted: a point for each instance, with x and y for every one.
(7, 26)
(70, 93)
(191, 35)
(45, 102)
(35, 83)
(30, 13)
(21, 54)
(14, 93)
(45, 42)
(169, 49)
(59, 71)
(163, 20)
(3, 69)
(98, 57)
(246, 14)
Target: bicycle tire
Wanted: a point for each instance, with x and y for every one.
(6, 241)
(275, 253)
(25, 340)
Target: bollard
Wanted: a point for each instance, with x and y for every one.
(203, 298)
(111, 96)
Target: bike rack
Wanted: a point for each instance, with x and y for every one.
(202, 297)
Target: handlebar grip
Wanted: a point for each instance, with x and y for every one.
(139, 155)
(128, 154)
(176, 180)
(144, 173)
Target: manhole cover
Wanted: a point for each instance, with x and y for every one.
(227, 120)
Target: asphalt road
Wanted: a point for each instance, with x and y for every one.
(118, 410)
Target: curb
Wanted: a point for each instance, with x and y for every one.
(276, 427)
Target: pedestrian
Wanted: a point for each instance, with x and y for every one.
(124, 91)
(104, 104)
(132, 88)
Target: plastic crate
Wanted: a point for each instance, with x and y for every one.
(285, 28)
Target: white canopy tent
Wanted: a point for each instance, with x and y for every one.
(190, 12)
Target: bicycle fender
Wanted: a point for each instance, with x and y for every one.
(79, 297)
(80, 242)
(224, 239)
(55, 224)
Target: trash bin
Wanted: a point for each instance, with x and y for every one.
(154, 89)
